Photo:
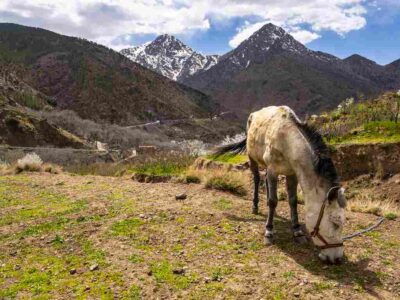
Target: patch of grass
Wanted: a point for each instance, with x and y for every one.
(135, 293)
(288, 274)
(127, 227)
(365, 203)
(228, 182)
(223, 204)
(229, 158)
(323, 285)
(391, 216)
(135, 258)
(163, 273)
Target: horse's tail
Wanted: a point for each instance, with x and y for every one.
(235, 148)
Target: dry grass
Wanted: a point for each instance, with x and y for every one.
(29, 163)
(366, 204)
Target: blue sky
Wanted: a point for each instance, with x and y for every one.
(341, 27)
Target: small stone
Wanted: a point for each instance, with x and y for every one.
(72, 271)
(296, 294)
(94, 267)
(179, 271)
(182, 196)
(325, 267)
(142, 216)
(207, 279)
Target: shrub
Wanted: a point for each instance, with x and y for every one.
(229, 182)
(4, 167)
(31, 162)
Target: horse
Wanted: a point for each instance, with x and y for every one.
(279, 142)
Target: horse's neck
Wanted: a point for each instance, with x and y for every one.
(301, 156)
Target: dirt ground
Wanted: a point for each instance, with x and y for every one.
(87, 237)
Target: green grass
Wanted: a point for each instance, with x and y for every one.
(161, 168)
(223, 204)
(229, 158)
(372, 132)
(163, 273)
(127, 227)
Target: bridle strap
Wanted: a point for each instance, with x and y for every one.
(315, 232)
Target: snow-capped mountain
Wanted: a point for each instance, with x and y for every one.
(170, 57)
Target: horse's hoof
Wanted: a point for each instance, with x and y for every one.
(269, 240)
(300, 239)
(255, 210)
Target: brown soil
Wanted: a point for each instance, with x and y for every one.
(211, 240)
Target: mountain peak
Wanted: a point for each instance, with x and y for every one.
(269, 38)
(358, 59)
(170, 57)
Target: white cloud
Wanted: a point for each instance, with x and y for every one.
(103, 20)
(245, 32)
(304, 36)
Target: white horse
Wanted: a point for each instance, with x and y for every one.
(279, 142)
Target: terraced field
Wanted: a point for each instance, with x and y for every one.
(88, 237)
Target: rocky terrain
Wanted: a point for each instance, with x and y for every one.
(170, 57)
(19, 126)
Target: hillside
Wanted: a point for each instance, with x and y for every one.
(96, 82)
(271, 67)
(18, 126)
(357, 122)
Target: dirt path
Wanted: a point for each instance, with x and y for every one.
(64, 237)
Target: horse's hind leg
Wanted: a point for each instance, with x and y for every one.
(272, 187)
(291, 187)
(256, 176)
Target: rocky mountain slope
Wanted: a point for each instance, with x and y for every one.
(96, 82)
(19, 127)
(272, 68)
(170, 57)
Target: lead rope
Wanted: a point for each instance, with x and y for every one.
(370, 228)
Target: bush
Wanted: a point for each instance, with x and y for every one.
(30, 162)
(228, 182)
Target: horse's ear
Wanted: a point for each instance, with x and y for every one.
(341, 198)
(333, 193)
(337, 193)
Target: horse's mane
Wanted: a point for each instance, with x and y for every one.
(323, 164)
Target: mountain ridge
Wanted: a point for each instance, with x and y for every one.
(96, 82)
(170, 57)
(272, 68)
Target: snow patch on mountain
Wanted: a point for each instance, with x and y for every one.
(170, 57)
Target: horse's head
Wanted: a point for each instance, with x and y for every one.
(325, 223)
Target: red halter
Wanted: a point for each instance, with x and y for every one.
(315, 232)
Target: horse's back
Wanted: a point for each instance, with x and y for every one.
(265, 128)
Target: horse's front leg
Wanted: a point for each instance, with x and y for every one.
(291, 187)
(256, 176)
(272, 194)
